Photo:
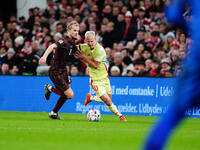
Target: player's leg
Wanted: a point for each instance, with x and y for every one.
(104, 92)
(49, 89)
(113, 108)
(107, 100)
(67, 93)
(186, 90)
(162, 129)
(110, 105)
(54, 113)
(89, 97)
(98, 87)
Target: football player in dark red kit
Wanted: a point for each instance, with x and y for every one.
(63, 50)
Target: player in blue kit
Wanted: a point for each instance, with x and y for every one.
(187, 93)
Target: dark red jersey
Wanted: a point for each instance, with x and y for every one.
(64, 51)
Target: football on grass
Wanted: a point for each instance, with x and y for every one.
(94, 115)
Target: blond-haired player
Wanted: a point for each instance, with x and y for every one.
(93, 54)
(63, 50)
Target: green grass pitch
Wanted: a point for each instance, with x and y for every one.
(35, 131)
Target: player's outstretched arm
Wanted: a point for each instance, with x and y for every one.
(91, 63)
(47, 52)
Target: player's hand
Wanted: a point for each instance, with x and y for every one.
(80, 55)
(42, 60)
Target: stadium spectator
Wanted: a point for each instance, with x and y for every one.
(14, 70)
(2, 29)
(115, 13)
(118, 24)
(182, 40)
(174, 55)
(148, 63)
(130, 71)
(18, 43)
(6, 40)
(108, 54)
(29, 62)
(169, 38)
(109, 35)
(117, 61)
(10, 57)
(127, 63)
(165, 66)
(155, 70)
(83, 28)
(130, 30)
(119, 27)
(3, 53)
(160, 54)
(140, 48)
(147, 54)
(115, 71)
(74, 70)
(57, 36)
(35, 47)
(139, 69)
(136, 56)
(140, 39)
(4, 69)
(163, 30)
(129, 46)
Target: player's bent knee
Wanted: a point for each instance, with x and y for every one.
(69, 95)
(106, 99)
(108, 103)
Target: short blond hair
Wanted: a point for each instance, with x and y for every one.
(72, 23)
(90, 34)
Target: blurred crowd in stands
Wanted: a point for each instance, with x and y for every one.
(136, 36)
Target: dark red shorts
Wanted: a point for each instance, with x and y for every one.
(60, 79)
